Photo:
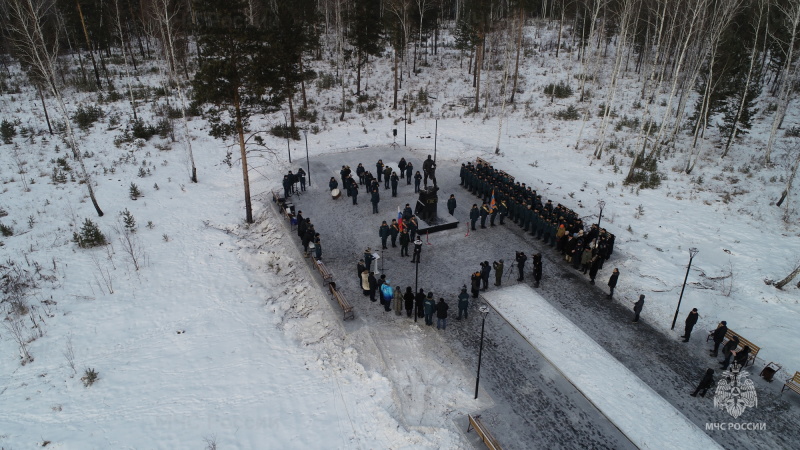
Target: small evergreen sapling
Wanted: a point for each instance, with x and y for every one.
(89, 236)
(128, 221)
(134, 191)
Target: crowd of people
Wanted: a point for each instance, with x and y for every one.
(385, 174)
(502, 198)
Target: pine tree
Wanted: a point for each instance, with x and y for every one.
(232, 75)
(134, 191)
(128, 221)
(365, 33)
(89, 235)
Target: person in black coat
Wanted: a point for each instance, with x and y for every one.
(373, 287)
(451, 204)
(368, 258)
(637, 308)
(301, 224)
(441, 314)
(612, 282)
(301, 176)
(394, 180)
(537, 269)
(333, 184)
(691, 320)
(287, 187)
(729, 350)
(360, 171)
(484, 213)
(394, 230)
(475, 284)
(594, 266)
(486, 269)
(402, 166)
(419, 303)
(521, 258)
(376, 198)
(409, 172)
(353, 190)
(719, 336)
(379, 169)
(474, 213)
(404, 241)
(408, 298)
(417, 181)
(705, 383)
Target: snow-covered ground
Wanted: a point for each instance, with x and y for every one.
(222, 335)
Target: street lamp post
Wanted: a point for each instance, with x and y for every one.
(692, 252)
(602, 205)
(308, 163)
(435, 137)
(416, 289)
(484, 310)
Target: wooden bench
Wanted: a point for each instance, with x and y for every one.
(343, 303)
(327, 276)
(487, 438)
(742, 342)
(792, 383)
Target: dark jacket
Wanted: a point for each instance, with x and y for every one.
(376, 197)
(730, 346)
(441, 309)
(474, 214)
(639, 304)
(451, 203)
(383, 231)
(463, 299)
(612, 282)
(719, 333)
(708, 380)
(409, 300)
(741, 357)
(691, 319)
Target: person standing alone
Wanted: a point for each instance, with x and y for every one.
(691, 320)
(637, 308)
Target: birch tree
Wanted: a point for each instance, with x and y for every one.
(36, 44)
(165, 13)
(791, 15)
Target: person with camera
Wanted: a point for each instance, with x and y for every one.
(521, 258)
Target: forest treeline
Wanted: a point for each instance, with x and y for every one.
(700, 63)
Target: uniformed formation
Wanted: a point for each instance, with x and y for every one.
(557, 226)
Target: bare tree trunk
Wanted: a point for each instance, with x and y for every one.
(44, 108)
(519, 48)
(787, 191)
(478, 64)
(560, 28)
(243, 151)
(303, 84)
(394, 103)
(89, 46)
(125, 57)
(785, 281)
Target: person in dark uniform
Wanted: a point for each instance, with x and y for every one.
(417, 250)
(419, 303)
(413, 226)
(394, 180)
(463, 303)
(537, 269)
(417, 180)
(402, 166)
(498, 272)
(383, 232)
(360, 171)
(521, 258)
(451, 204)
(612, 282)
(719, 336)
(353, 190)
(474, 213)
(409, 172)
(407, 212)
(301, 176)
(691, 320)
(387, 174)
(404, 241)
(368, 258)
(379, 169)
(502, 209)
(376, 198)
(394, 230)
(408, 297)
(492, 215)
(486, 269)
(333, 184)
(373, 286)
(484, 212)
(287, 187)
